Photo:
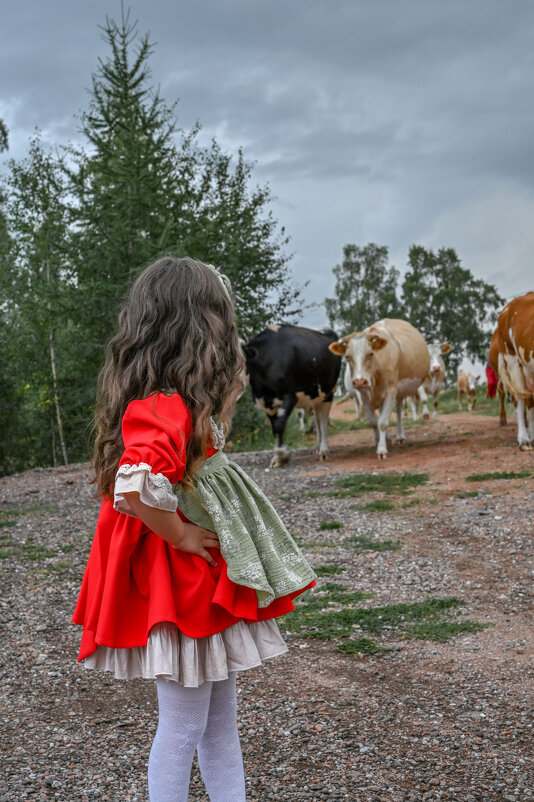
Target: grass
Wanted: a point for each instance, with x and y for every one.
(486, 477)
(360, 483)
(363, 543)
(468, 494)
(328, 570)
(326, 525)
(429, 619)
(379, 505)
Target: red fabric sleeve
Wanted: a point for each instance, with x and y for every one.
(155, 432)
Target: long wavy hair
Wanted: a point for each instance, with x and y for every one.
(177, 333)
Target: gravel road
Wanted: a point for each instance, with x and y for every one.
(424, 720)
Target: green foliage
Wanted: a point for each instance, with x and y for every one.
(447, 303)
(326, 525)
(486, 477)
(76, 230)
(365, 290)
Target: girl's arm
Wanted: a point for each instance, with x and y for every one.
(168, 525)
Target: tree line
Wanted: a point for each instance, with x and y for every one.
(78, 224)
(437, 295)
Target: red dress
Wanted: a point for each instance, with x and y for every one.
(134, 579)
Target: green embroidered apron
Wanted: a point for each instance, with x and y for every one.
(258, 549)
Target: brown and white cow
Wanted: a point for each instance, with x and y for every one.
(434, 381)
(515, 347)
(467, 385)
(388, 361)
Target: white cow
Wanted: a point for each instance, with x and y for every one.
(388, 362)
(434, 381)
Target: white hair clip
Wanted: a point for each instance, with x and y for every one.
(225, 281)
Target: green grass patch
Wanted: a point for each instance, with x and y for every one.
(331, 613)
(412, 502)
(5, 554)
(363, 543)
(325, 525)
(328, 570)
(469, 494)
(486, 477)
(442, 631)
(59, 566)
(379, 505)
(34, 551)
(35, 510)
(7, 523)
(67, 548)
(360, 483)
(361, 646)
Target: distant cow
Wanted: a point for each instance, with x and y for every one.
(388, 361)
(434, 381)
(467, 385)
(290, 366)
(515, 346)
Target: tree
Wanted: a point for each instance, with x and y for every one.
(446, 302)
(36, 281)
(365, 290)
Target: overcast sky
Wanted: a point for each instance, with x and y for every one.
(388, 121)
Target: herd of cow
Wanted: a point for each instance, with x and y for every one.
(386, 363)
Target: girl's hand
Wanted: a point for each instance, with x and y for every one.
(196, 540)
(179, 534)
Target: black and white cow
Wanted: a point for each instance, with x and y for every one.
(291, 366)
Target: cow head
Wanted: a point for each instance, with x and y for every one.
(435, 351)
(359, 348)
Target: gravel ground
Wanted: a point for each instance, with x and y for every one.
(424, 721)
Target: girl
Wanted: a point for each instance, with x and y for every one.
(190, 564)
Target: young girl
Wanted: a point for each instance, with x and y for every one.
(190, 564)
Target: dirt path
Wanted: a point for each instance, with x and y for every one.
(426, 720)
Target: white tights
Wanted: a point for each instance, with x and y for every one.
(203, 719)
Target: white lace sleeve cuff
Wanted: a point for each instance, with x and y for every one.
(154, 489)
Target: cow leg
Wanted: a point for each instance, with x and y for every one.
(401, 437)
(413, 405)
(523, 439)
(530, 423)
(383, 421)
(460, 399)
(278, 424)
(321, 415)
(421, 392)
(502, 408)
(473, 400)
(301, 415)
(435, 405)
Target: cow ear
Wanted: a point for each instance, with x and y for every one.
(376, 342)
(445, 348)
(250, 352)
(339, 347)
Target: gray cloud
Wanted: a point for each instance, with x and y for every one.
(393, 122)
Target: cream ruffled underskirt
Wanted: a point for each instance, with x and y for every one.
(191, 661)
